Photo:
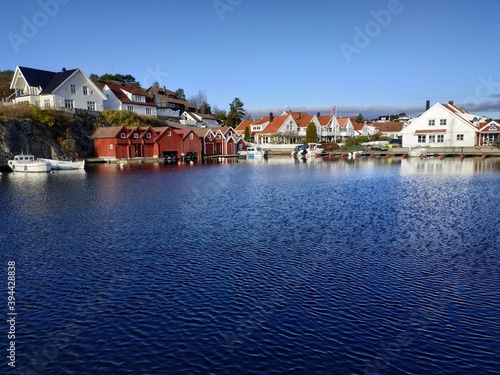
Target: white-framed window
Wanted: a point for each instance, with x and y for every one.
(136, 135)
(148, 135)
(421, 138)
(149, 111)
(442, 122)
(460, 137)
(440, 138)
(432, 138)
(73, 89)
(110, 146)
(130, 108)
(91, 106)
(46, 103)
(139, 98)
(191, 136)
(85, 90)
(432, 122)
(69, 103)
(122, 135)
(169, 133)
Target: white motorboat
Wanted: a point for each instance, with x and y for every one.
(310, 150)
(28, 164)
(64, 164)
(252, 152)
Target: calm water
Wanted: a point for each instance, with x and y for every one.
(256, 268)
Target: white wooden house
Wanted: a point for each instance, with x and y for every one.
(65, 90)
(129, 98)
(442, 125)
(199, 120)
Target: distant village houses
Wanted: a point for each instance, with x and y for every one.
(442, 125)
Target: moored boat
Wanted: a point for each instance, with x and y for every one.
(252, 152)
(310, 150)
(28, 164)
(64, 164)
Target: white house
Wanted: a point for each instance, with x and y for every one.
(271, 129)
(489, 134)
(199, 120)
(129, 98)
(68, 89)
(442, 125)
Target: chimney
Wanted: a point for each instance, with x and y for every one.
(450, 102)
(427, 105)
(271, 117)
(317, 115)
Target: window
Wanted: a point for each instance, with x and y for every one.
(460, 137)
(111, 146)
(432, 138)
(421, 139)
(148, 135)
(46, 104)
(85, 90)
(122, 135)
(91, 106)
(136, 135)
(440, 138)
(169, 133)
(442, 121)
(73, 89)
(130, 108)
(149, 111)
(432, 122)
(69, 103)
(191, 136)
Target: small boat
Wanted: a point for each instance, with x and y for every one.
(310, 150)
(355, 154)
(28, 164)
(64, 164)
(252, 152)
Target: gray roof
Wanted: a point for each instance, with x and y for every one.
(48, 81)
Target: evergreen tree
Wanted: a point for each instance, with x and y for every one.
(236, 113)
(247, 134)
(311, 133)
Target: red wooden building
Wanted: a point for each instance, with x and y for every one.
(120, 142)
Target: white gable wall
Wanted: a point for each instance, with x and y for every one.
(80, 99)
(453, 132)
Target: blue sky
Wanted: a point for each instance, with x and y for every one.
(375, 57)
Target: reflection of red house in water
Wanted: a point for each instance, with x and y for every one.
(120, 142)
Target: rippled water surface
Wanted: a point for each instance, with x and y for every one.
(323, 267)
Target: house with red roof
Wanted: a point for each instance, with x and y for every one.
(443, 125)
(489, 134)
(129, 98)
(120, 142)
(271, 129)
(389, 128)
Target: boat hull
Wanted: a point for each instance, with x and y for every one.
(35, 167)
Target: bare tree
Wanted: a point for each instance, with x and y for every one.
(198, 100)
